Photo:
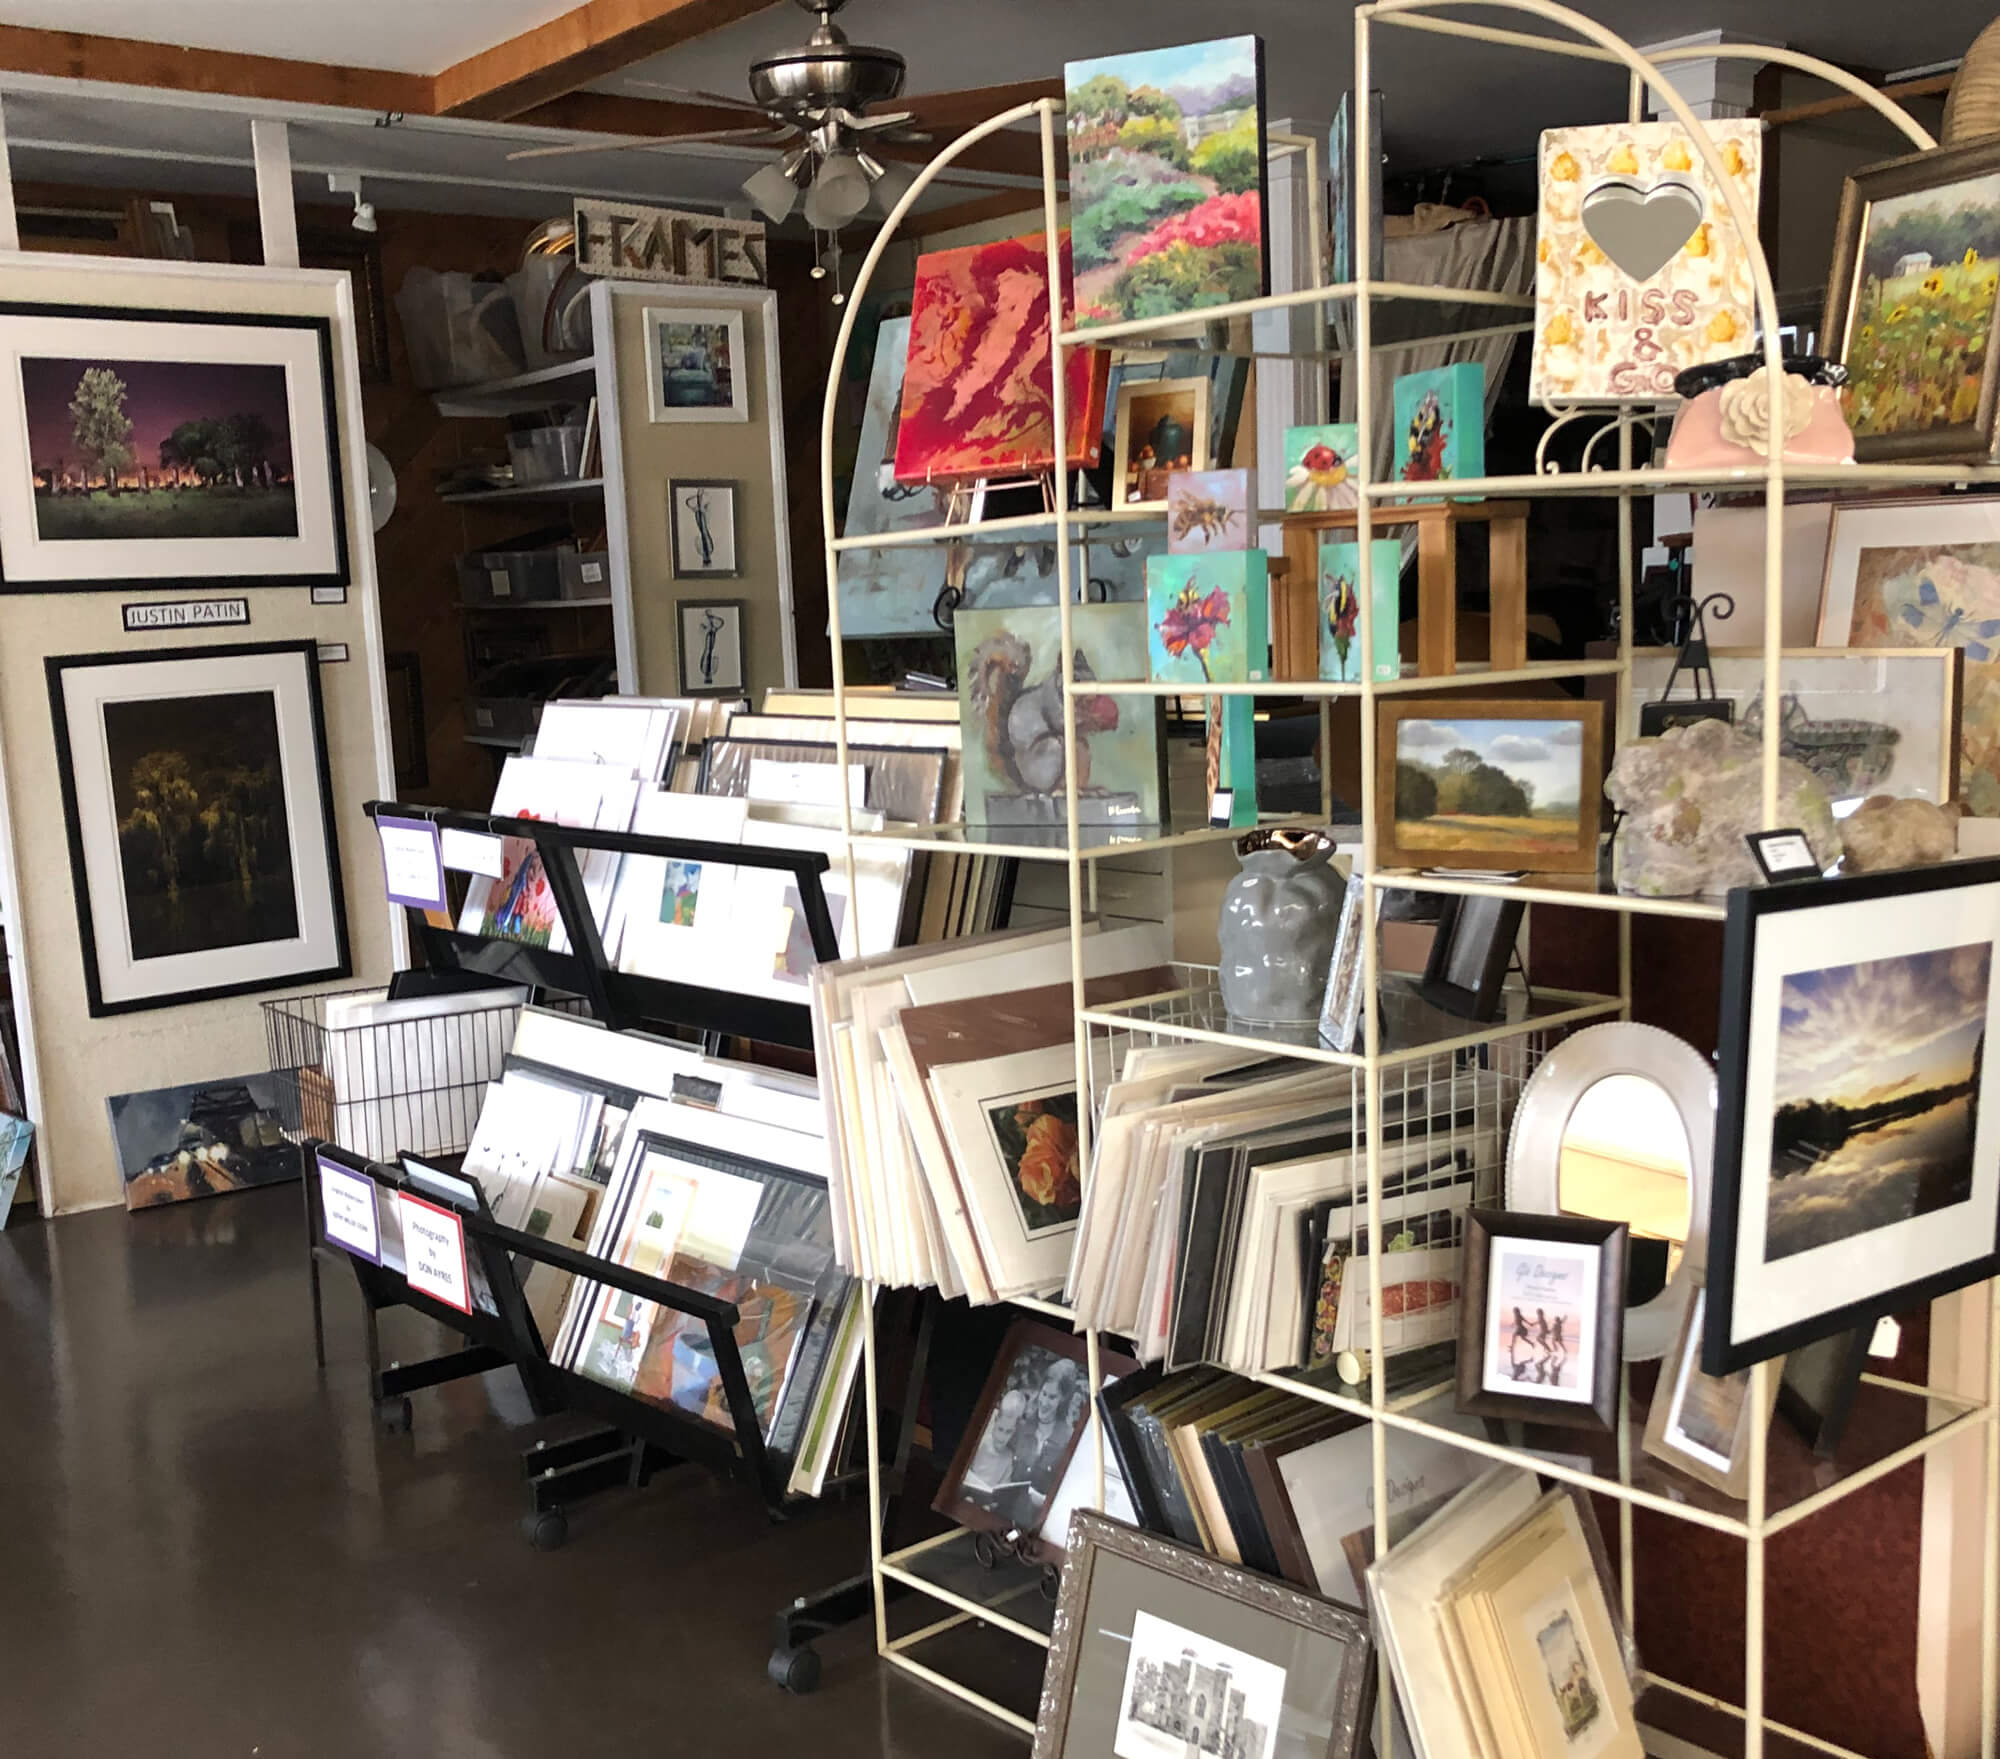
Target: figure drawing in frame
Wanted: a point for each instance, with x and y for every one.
(1877, 1094)
(1036, 1138)
(150, 449)
(696, 502)
(204, 840)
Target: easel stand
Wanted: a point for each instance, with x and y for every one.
(633, 1437)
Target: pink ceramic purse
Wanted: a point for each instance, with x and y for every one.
(1724, 419)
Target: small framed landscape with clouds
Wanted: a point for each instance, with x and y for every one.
(1503, 785)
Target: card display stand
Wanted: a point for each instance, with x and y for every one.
(432, 1099)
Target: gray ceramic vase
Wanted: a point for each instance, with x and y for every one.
(1280, 917)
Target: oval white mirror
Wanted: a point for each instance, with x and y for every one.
(1618, 1123)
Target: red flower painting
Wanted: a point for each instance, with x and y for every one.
(1191, 623)
(976, 389)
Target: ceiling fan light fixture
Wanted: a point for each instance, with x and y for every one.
(773, 192)
(839, 192)
(890, 186)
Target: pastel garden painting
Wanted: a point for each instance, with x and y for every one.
(1923, 308)
(1166, 161)
(152, 449)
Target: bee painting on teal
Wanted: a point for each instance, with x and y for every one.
(1207, 618)
(1340, 592)
(1441, 424)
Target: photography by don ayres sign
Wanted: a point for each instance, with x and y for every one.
(186, 614)
(667, 245)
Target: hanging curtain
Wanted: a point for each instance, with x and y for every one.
(1496, 255)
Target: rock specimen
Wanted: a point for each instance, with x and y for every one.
(1886, 832)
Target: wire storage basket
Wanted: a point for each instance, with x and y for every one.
(381, 1087)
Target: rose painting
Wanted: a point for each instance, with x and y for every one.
(976, 385)
(1943, 595)
(1166, 165)
(1037, 1142)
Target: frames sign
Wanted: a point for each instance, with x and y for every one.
(667, 245)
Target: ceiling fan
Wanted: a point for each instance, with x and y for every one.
(817, 96)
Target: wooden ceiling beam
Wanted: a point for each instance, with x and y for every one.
(586, 43)
(127, 61)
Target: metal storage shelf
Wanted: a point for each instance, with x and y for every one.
(569, 381)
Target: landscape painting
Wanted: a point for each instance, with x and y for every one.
(202, 1139)
(1876, 1089)
(149, 449)
(204, 839)
(1166, 166)
(1919, 331)
(1516, 790)
(976, 387)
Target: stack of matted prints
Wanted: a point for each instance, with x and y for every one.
(700, 1171)
(1497, 1618)
(949, 1081)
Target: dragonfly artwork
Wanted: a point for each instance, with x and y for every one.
(1938, 617)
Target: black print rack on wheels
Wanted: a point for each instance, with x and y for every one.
(633, 1437)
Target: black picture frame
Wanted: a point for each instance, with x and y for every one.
(1817, 1389)
(56, 666)
(341, 572)
(1749, 908)
(1480, 928)
(1482, 1228)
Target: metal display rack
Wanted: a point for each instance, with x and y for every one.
(633, 1438)
(1938, 1416)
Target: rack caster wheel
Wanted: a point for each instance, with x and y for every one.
(394, 1416)
(546, 1531)
(797, 1670)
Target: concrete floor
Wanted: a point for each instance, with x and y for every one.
(208, 1551)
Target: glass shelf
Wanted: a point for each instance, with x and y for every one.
(1477, 675)
(1411, 1028)
(1008, 1595)
(1179, 330)
(562, 489)
(569, 381)
(1579, 891)
(1892, 1425)
(1651, 481)
(1051, 842)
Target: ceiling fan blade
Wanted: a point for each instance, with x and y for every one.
(874, 124)
(632, 143)
(691, 95)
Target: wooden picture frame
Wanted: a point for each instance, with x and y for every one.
(1691, 1412)
(1497, 839)
(1131, 484)
(1120, 1586)
(1475, 940)
(1851, 292)
(1572, 1271)
(1817, 981)
(1817, 1388)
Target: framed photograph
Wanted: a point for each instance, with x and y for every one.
(202, 1139)
(702, 516)
(1500, 785)
(1700, 1424)
(1158, 1649)
(711, 646)
(696, 366)
(1926, 574)
(1857, 1159)
(1911, 303)
(1471, 952)
(1864, 719)
(1014, 1452)
(1161, 429)
(199, 808)
(167, 449)
(1542, 1325)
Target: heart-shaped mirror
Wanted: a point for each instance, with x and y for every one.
(1640, 228)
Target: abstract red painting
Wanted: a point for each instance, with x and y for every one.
(976, 392)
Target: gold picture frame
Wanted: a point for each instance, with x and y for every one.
(1138, 473)
(1493, 831)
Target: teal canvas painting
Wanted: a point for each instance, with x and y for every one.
(1441, 424)
(1340, 593)
(1320, 467)
(17, 1135)
(1208, 618)
(1011, 718)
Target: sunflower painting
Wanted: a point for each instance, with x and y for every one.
(1037, 1142)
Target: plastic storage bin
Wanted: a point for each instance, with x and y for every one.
(459, 331)
(543, 455)
(586, 574)
(509, 577)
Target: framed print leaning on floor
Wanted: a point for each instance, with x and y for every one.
(1857, 1141)
(199, 808)
(149, 448)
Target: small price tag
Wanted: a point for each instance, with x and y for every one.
(347, 1211)
(471, 852)
(1784, 855)
(1221, 808)
(1888, 1338)
(412, 862)
(434, 1252)
(500, 583)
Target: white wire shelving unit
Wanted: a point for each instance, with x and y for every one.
(1936, 1416)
